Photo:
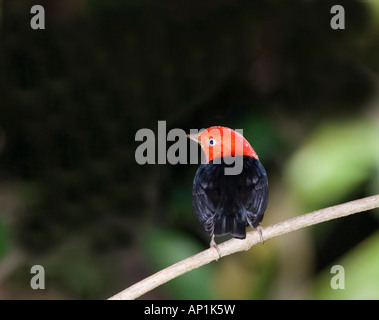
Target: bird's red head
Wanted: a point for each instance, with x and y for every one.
(218, 142)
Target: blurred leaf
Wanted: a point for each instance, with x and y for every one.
(166, 247)
(373, 8)
(337, 158)
(361, 267)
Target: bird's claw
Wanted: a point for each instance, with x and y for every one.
(213, 244)
(259, 229)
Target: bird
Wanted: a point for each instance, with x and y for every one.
(228, 203)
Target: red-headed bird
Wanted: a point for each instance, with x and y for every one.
(228, 203)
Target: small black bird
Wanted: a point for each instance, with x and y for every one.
(228, 203)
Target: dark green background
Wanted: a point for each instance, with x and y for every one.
(72, 97)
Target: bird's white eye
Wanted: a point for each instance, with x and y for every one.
(212, 142)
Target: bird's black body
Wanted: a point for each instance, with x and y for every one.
(229, 203)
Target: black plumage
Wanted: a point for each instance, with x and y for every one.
(229, 203)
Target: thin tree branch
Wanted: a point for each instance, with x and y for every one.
(252, 238)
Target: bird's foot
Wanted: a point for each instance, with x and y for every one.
(259, 229)
(213, 244)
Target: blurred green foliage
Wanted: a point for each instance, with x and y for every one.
(361, 274)
(374, 10)
(336, 159)
(165, 247)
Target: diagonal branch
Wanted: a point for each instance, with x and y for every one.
(252, 238)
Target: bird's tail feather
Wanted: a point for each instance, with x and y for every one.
(227, 223)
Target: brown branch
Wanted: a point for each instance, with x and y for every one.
(252, 238)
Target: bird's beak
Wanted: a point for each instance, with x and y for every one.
(194, 137)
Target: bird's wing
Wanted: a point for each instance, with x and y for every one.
(205, 196)
(253, 191)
